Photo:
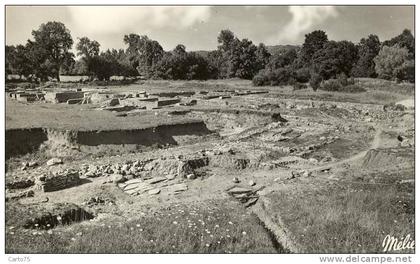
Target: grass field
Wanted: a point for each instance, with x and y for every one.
(346, 218)
(216, 227)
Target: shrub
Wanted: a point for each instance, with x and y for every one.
(331, 85)
(342, 78)
(299, 86)
(335, 85)
(406, 72)
(274, 77)
(315, 81)
(391, 62)
(259, 80)
(352, 88)
(303, 75)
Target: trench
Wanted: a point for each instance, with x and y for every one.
(276, 244)
(276, 230)
(49, 216)
(27, 140)
(67, 218)
(23, 141)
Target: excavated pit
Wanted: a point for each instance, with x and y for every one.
(233, 121)
(23, 141)
(47, 216)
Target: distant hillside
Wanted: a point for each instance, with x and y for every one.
(271, 49)
(202, 52)
(281, 48)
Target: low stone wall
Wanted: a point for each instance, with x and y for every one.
(167, 102)
(58, 181)
(62, 97)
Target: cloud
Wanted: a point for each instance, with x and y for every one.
(138, 19)
(303, 19)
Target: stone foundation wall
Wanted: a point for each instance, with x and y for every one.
(58, 181)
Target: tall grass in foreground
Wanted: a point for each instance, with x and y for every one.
(347, 218)
(221, 228)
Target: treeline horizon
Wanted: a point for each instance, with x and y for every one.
(317, 59)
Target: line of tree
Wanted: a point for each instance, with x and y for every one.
(49, 54)
(320, 59)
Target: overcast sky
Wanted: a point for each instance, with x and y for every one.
(197, 27)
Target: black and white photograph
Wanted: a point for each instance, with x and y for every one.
(209, 129)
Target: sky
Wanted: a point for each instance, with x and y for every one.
(197, 27)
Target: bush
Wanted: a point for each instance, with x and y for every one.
(331, 85)
(392, 63)
(274, 77)
(335, 85)
(342, 78)
(303, 75)
(406, 72)
(315, 81)
(352, 88)
(259, 80)
(299, 86)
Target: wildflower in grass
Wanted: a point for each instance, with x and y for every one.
(138, 225)
(79, 234)
(73, 239)
(50, 232)
(244, 233)
(228, 236)
(175, 222)
(151, 241)
(12, 227)
(11, 233)
(207, 245)
(141, 229)
(36, 225)
(48, 225)
(230, 223)
(216, 226)
(59, 218)
(34, 233)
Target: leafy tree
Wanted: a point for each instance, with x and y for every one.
(406, 72)
(52, 42)
(392, 62)
(281, 60)
(143, 53)
(314, 42)
(334, 58)
(404, 40)
(262, 57)
(79, 68)
(10, 59)
(182, 65)
(215, 60)
(227, 40)
(87, 48)
(239, 57)
(368, 48)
